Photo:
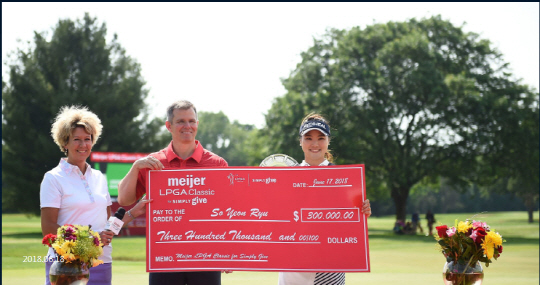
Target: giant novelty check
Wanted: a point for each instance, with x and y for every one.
(257, 219)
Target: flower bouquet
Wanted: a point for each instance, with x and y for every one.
(78, 248)
(465, 245)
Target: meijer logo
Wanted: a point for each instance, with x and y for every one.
(188, 181)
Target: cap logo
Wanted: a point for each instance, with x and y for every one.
(315, 125)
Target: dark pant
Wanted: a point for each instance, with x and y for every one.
(185, 278)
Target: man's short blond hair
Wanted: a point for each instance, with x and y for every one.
(71, 117)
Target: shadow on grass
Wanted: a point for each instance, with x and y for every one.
(382, 235)
(388, 235)
(520, 240)
(125, 258)
(23, 235)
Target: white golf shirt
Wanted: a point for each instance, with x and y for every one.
(81, 199)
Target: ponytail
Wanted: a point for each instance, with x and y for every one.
(328, 155)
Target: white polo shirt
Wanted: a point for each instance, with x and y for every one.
(81, 199)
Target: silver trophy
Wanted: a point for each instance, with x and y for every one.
(278, 160)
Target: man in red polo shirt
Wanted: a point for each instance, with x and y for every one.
(184, 151)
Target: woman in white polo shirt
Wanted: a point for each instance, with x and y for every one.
(314, 140)
(74, 193)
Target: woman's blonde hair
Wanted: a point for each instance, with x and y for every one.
(71, 117)
(314, 116)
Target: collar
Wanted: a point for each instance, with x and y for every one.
(197, 153)
(68, 167)
(324, 163)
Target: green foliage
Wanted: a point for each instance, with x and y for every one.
(442, 197)
(411, 100)
(228, 140)
(515, 167)
(256, 147)
(75, 67)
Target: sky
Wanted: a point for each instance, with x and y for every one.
(231, 57)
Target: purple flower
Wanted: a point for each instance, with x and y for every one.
(71, 237)
(96, 241)
(69, 230)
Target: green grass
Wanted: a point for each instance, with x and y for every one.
(394, 259)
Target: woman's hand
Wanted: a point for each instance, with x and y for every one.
(366, 208)
(140, 208)
(106, 237)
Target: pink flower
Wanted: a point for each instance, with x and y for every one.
(480, 224)
(451, 231)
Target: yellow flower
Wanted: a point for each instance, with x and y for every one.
(58, 249)
(69, 257)
(497, 238)
(83, 228)
(488, 250)
(491, 241)
(96, 262)
(464, 227)
(68, 246)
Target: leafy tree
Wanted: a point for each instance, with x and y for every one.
(257, 147)
(412, 100)
(515, 168)
(240, 136)
(212, 132)
(226, 139)
(444, 198)
(75, 67)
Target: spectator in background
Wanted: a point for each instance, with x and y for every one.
(430, 221)
(398, 227)
(416, 223)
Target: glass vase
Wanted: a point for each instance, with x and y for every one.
(74, 273)
(455, 273)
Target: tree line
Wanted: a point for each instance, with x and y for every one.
(429, 109)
